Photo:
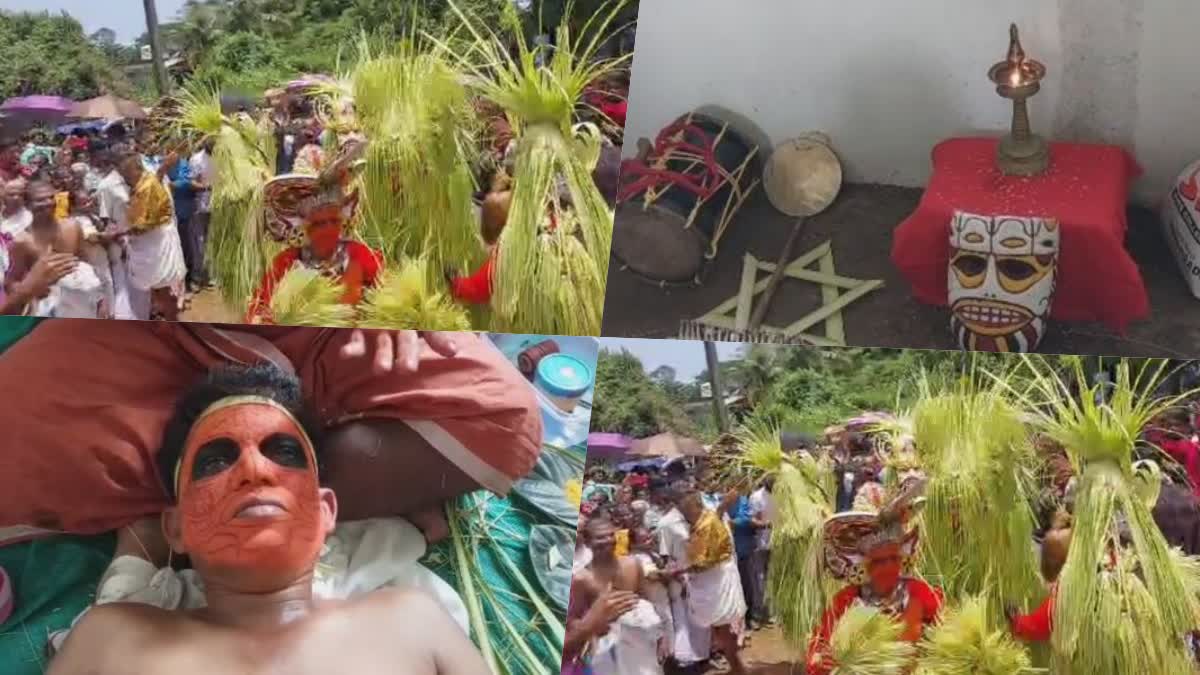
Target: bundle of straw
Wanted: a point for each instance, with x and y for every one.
(797, 582)
(867, 642)
(305, 297)
(404, 298)
(417, 186)
(541, 100)
(1131, 619)
(977, 523)
(966, 640)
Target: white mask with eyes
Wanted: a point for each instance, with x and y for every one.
(1001, 280)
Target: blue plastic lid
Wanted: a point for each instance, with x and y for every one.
(563, 376)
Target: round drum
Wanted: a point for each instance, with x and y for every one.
(655, 245)
(803, 175)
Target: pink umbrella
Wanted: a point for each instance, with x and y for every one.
(42, 107)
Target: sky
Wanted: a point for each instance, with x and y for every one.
(686, 357)
(126, 17)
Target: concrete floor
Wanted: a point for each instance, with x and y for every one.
(860, 223)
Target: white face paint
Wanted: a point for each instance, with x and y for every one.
(1001, 280)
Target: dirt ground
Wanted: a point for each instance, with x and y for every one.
(860, 224)
(207, 307)
(766, 654)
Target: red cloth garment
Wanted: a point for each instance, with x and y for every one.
(1036, 626)
(918, 591)
(361, 255)
(1187, 452)
(616, 111)
(78, 448)
(477, 288)
(1084, 188)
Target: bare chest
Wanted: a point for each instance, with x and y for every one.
(318, 647)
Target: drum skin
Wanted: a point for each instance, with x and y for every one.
(1181, 217)
(655, 245)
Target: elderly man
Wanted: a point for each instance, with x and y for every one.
(14, 216)
(241, 462)
(156, 265)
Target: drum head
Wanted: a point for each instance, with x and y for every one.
(654, 243)
(803, 175)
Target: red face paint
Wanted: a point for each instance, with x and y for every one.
(884, 567)
(324, 230)
(247, 511)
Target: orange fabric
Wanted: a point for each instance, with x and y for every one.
(215, 532)
(149, 204)
(710, 543)
(78, 443)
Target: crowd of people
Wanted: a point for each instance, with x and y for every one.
(667, 574)
(671, 568)
(102, 225)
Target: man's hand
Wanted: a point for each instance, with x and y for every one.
(47, 271)
(397, 350)
(608, 608)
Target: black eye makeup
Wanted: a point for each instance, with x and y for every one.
(214, 457)
(285, 450)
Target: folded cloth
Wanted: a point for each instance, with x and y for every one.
(87, 465)
(630, 647)
(358, 558)
(715, 595)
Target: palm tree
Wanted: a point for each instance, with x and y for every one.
(756, 372)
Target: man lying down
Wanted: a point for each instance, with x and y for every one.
(241, 460)
(406, 421)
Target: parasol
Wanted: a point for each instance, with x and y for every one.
(667, 445)
(107, 107)
(608, 446)
(37, 107)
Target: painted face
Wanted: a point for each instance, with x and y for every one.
(884, 566)
(248, 494)
(1001, 281)
(323, 228)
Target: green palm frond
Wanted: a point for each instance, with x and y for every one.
(867, 642)
(967, 639)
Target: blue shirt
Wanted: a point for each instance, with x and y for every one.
(181, 188)
(741, 520)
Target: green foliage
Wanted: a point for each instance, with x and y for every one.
(49, 54)
(628, 402)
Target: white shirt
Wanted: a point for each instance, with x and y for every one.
(113, 200)
(17, 223)
(763, 506)
(201, 168)
(673, 535)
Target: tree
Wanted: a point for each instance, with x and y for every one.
(627, 401)
(50, 54)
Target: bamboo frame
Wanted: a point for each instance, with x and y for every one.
(837, 292)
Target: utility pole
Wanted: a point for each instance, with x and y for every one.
(718, 391)
(160, 71)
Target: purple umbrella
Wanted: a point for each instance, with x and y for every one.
(608, 446)
(44, 107)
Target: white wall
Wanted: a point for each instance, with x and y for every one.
(887, 79)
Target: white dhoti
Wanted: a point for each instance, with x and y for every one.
(656, 592)
(156, 259)
(715, 596)
(122, 307)
(631, 645)
(691, 642)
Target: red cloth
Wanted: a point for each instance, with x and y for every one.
(360, 254)
(78, 444)
(1084, 188)
(477, 288)
(919, 591)
(616, 111)
(1187, 453)
(1036, 627)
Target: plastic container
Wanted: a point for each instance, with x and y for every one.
(564, 380)
(560, 428)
